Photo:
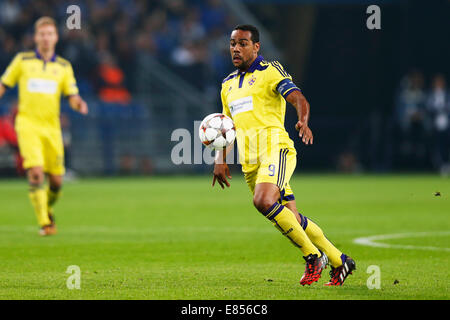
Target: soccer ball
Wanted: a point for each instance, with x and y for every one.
(217, 131)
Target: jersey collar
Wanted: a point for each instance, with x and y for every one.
(254, 66)
(52, 59)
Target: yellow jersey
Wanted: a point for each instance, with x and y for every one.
(41, 84)
(255, 100)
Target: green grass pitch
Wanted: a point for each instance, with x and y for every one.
(177, 238)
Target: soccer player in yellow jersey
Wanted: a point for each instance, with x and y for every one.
(42, 77)
(255, 96)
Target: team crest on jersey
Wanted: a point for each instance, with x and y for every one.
(251, 80)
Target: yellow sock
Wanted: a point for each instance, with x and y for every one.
(285, 221)
(52, 196)
(318, 238)
(38, 197)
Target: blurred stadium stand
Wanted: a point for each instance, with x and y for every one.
(149, 67)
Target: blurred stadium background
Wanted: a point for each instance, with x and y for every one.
(380, 104)
(379, 98)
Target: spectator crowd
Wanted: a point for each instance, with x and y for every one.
(190, 37)
(422, 117)
(186, 35)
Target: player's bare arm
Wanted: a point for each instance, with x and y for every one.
(2, 90)
(221, 170)
(78, 104)
(298, 100)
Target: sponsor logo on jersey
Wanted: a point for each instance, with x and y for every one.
(37, 85)
(241, 105)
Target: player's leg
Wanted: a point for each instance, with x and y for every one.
(54, 167)
(265, 196)
(276, 170)
(317, 236)
(31, 150)
(265, 199)
(273, 174)
(341, 264)
(53, 192)
(38, 195)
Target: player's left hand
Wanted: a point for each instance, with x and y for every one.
(304, 132)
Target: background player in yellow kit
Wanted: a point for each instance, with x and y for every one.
(255, 97)
(42, 77)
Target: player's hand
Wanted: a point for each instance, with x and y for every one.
(304, 132)
(221, 172)
(78, 104)
(83, 107)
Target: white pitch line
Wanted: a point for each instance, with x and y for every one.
(370, 241)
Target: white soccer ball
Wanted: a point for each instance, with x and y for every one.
(217, 131)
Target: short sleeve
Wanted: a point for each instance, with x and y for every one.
(225, 109)
(12, 72)
(279, 80)
(69, 85)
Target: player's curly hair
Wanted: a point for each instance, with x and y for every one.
(248, 27)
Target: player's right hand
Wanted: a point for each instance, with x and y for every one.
(78, 104)
(83, 107)
(221, 172)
